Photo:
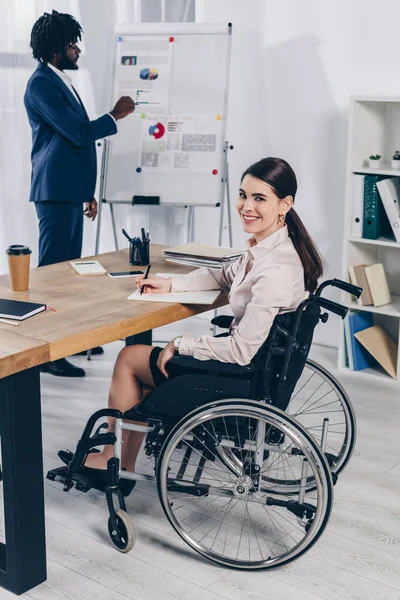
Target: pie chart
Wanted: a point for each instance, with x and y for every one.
(149, 73)
(157, 130)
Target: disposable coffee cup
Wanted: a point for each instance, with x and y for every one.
(18, 265)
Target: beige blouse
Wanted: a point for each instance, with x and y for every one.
(266, 280)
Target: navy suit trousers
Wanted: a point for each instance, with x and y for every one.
(60, 231)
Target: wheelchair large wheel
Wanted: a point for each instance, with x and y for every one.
(226, 513)
(319, 395)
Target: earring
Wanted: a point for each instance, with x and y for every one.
(282, 219)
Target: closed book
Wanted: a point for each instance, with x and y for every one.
(378, 284)
(18, 310)
(375, 221)
(389, 191)
(381, 346)
(362, 281)
(362, 359)
(357, 217)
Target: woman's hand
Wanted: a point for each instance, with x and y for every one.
(165, 356)
(154, 285)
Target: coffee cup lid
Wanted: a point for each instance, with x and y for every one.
(18, 249)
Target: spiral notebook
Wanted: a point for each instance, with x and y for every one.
(208, 297)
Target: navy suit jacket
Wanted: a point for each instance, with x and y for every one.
(63, 149)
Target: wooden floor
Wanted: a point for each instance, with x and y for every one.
(357, 558)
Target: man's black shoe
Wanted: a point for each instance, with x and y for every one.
(97, 350)
(62, 368)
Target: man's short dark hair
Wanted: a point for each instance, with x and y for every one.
(51, 34)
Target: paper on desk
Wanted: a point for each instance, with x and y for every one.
(208, 297)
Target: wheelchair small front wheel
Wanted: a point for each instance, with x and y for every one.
(223, 509)
(123, 535)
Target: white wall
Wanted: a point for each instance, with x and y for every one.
(294, 65)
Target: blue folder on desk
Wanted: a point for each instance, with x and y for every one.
(362, 359)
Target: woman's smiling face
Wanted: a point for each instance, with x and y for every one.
(260, 208)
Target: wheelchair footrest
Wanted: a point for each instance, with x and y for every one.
(82, 481)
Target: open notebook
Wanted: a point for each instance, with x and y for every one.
(208, 297)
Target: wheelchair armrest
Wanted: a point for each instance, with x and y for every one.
(223, 321)
(188, 362)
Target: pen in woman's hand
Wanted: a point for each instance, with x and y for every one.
(145, 277)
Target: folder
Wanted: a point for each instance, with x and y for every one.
(389, 191)
(378, 284)
(375, 221)
(359, 321)
(381, 346)
(358, 206)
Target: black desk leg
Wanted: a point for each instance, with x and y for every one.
(23, 556)
(140, 338)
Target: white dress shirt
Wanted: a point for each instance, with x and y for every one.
(266, 280)
(68, 82)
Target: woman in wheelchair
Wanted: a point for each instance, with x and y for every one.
(273, 276)
(244, 434)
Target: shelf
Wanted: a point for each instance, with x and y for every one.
(382, 241)
(384, 169)
(391, 310)
(372, 374)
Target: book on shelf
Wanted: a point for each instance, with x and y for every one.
(378, 284)
(375, 221)
(372, 279)
(358, 277)
(389, 191)
(359, 357)
(381, 346)
(357, 217)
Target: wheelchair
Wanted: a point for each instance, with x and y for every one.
(244, 457)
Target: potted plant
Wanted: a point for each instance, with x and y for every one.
(396, 160)
(374, 161)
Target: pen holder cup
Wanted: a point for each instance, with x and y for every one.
(139, 252)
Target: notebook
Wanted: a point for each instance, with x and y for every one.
(208, 297)
(15, 309)
(194, 250)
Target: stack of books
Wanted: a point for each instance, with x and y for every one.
(202, 255)
(372, 279)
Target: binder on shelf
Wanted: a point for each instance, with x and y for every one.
(358, 206)
(389, 191)
(375, 221)
(381, 346)
(378, 284)
(358, 321)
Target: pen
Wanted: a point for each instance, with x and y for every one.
(145, 277)
(126, 235)
(143, 235)
(9, 322)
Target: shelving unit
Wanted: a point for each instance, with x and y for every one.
(374, 127)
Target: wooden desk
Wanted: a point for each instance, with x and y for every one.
(91, 310)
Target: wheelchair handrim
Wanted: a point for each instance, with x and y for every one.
(246, 408)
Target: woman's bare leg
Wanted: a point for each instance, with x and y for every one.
(131, 371)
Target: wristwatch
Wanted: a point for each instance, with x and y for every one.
(177, 341)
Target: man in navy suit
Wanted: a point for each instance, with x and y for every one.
(63, 147)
